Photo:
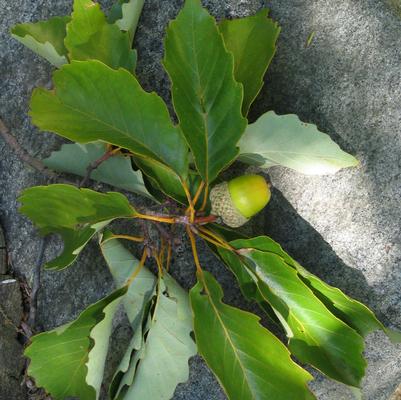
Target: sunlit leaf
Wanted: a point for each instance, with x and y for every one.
(75, 214)
(125, 14)
(69, 361)
(206, 97)
(287, 141)
(249, 361)
(116, 171)
(351, 311)
(90, 36)
(45, 38)
(316, 336)
(252, 40)
(94, 102)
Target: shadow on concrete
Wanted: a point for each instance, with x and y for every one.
(308, 247)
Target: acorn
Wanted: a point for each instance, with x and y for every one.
(240, 199)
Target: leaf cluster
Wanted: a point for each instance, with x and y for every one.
(216, 72)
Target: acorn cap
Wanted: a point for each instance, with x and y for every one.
(223, 206)
(239, 199)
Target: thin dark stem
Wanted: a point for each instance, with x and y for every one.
(95, 164)
(23, 154)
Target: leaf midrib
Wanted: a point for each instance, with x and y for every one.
(245, 379)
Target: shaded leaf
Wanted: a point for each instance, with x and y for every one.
(163, 362)
(285, 140)
(45, 38)
(252, 40)
(75, 214)
(206, 97)
(316, 336)
(167, 182)
(351, 311)
(249, 361)
(152, 366)
(116, 171)
(122, 264)
(125, 14)
(89, 36)
(94, 102)
(163, 178)
(69, 361)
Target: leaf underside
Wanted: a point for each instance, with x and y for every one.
(206, 97)
(285, 140)
(45, 38)
(156, 359)
(116, 171)
(125, 14)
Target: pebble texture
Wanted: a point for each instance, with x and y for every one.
(345, 228)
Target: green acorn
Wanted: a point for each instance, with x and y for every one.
(239, 199)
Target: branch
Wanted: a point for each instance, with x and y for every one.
(95, 164)
(23, 154)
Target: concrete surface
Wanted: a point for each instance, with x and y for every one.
(345, 228)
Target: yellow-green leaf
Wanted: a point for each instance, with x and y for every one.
(75, 214)
(252, 40)
(45, 38)
(90, 36)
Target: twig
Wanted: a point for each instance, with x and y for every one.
(95, 164)
(23, 154)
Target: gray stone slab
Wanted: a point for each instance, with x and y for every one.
(3, 253)
(344, 228)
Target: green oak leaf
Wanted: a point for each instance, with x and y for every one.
(75, 214)
(45, 38)
(285, 140)
(316, 336)
(69, 361)
(93, 102)
(351, 311)
(162, 178)
(125, 14)
(90, 36)
(206, 97)
(249, 361)
(252, 40)
(152, 366)
(167, 182)
(117, 171)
